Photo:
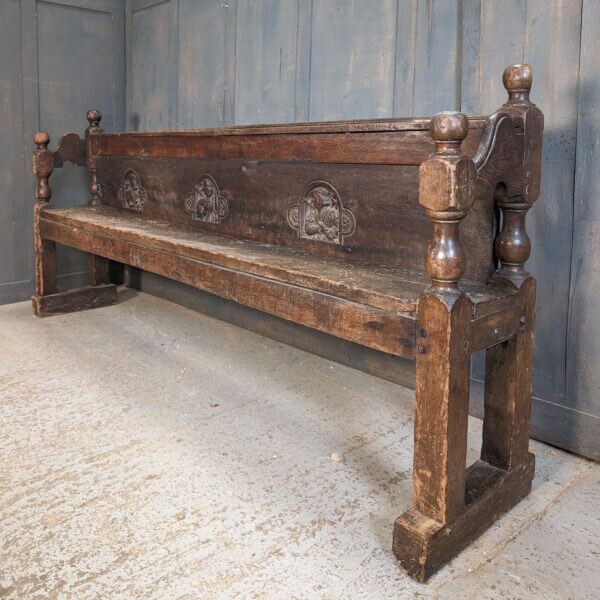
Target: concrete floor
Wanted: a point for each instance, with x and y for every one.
(152, 452)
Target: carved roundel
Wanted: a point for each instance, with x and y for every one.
(131, 194)
(205, 202)
(320, 215)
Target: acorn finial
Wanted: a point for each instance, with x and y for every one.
(517, 82)
(94, 117)
(41, 139)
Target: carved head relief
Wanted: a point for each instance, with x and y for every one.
(319, 214)
(131, 194)
(205, 202)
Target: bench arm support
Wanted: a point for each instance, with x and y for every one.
(447, 183)
(512, 245)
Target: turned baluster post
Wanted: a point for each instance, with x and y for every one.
(45, 250)
(509, 366)
(94, 117)
(512, 245)
(98, 266)
(446, 191)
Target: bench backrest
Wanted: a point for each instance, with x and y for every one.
(341, 189)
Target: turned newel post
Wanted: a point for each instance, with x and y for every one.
(508, 366)
(94, 117)
(512, 245)
(446, 191)
(43, 165)
(45, 250)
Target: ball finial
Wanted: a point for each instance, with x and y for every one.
(449, 127)
(41, 139)
(517, 81)
(94, 117)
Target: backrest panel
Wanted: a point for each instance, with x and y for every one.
(361, 211)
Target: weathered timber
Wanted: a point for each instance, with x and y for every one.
(74, 300)
(383, 233)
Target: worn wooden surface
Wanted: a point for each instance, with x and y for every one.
(422, 545)
(443, 54)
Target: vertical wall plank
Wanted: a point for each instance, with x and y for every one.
(496, 34)
(303, 58)
(352, 64)
(202, 63)
(12, 190)
(495, 38)
(470, 63)
(583, 349)
(152, 64)
(405, 58)
(551, 219)
(437, 56)
(77, 72)
(265, 61)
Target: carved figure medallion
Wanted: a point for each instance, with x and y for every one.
(131, 194)
(319, 214)
(205, 202)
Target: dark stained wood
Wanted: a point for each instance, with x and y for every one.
(45, 250)
(383, 199)
(382, 233)
(383, 330)
(71, 148)
(395, 142)
(507, 399)
(423, 545)
(74, 300)
(442, 404)
(389, 287)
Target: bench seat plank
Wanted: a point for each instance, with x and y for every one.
(383, 286)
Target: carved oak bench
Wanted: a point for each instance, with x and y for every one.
(330, 225)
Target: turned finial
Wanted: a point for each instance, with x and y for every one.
(517, 82)
(448, 130)
(41, 140)
(94, 117)
(43, 165)
(447, 191)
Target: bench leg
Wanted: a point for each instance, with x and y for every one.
(451, 505)
(47, 301)
(508, 374)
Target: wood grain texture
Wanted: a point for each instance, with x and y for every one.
(353, 44)
(265, 85)
(422, 545)
(202, 65)
(372, 327)
(74, 300)
(382, 198)
(388, 287)
(442, 405)
(583, 339)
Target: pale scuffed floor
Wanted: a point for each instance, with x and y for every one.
(148, 451)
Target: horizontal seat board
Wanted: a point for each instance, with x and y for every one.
(384, 286)
(400, 147)
(387, 331)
